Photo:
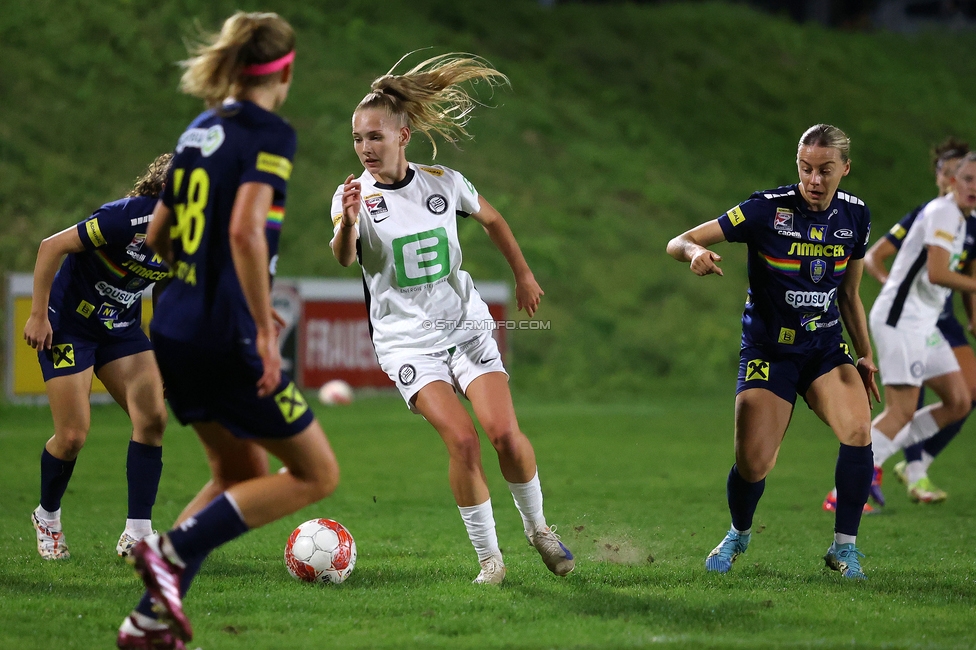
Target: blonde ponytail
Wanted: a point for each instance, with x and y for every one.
(217, 69)
(429, 99)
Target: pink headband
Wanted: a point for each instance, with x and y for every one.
(259, 69)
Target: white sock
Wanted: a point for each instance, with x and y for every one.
(883, 446)
(528, 500)
(926, 461)
(921, 428)
(480, 523)
(143, 621)
(743, 533)
(914, 471)
(53, 519)
(138, 528)
(841, 538)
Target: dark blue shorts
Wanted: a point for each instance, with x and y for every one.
(71, 352)
(787, 375)
(206, 386)
(953, 332)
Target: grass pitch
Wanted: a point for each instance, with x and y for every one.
(637, 491)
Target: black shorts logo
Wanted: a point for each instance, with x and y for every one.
(757, 369)
(437, 204)
(407, 374)
(63, 355)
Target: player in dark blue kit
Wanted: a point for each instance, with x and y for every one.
(217, 224)
(913, 471)
(806, 244)
(85, 320)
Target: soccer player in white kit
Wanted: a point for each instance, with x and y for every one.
(430, 328)
(911, 350)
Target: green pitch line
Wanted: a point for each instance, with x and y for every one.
(637, 491)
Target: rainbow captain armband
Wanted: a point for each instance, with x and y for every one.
(276, 215)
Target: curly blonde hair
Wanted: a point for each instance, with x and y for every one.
(429, 99)
(152, 180)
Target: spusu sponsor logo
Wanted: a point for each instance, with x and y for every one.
(816, 299)
(120, 296)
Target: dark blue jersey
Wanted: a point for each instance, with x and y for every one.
(897, 235)
(98, 292)
(797, 260)
(218, 152)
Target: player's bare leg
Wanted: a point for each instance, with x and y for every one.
(840, 400)
(491, 399)
(761, 418)
(71, 412)
(232, 460)
(439, 404)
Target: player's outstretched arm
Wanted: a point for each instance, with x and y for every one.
(37, 331)
(249, 250)
(528, 293)
(852, 313)
(692, 246)
(344, 243)
(874, 259)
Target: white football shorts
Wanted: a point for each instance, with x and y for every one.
(910, 358)
(458, 366)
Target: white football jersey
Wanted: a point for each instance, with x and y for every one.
(908, 300)
(411, 261)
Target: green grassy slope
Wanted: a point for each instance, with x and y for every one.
(624, 126)
(638, 493)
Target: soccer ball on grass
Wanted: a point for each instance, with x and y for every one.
(335, 392)
(320, 550)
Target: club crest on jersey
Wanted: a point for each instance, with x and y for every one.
(817, 232)
(818, 268)
(437, 204)
(783, 219)
(844, 233)
(376, 205)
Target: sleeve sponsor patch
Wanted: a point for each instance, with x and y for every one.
(336, 218)
(433, 171)
(942, 234)
(898, 231)
(735, 216)
(94, 233)
(274, 164)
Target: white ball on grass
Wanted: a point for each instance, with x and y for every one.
(335, 392)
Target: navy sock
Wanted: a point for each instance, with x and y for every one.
(145, 606)
(743, 498)
(935, 444)
(189, 573)
(855, 469)
(55, 474)
(143, 467)
(914, 452)
(218, 523)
